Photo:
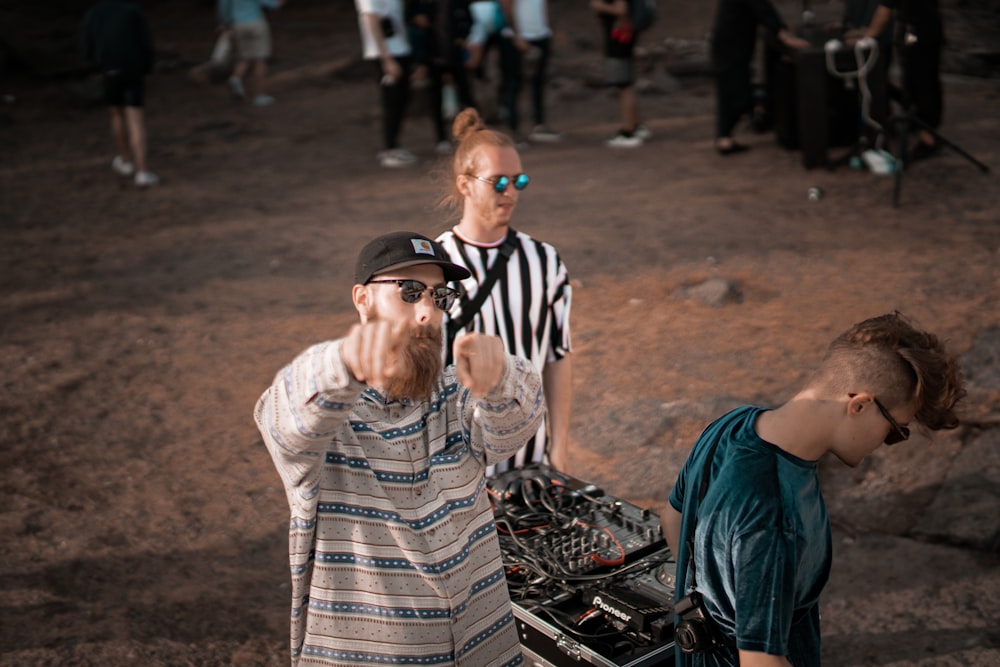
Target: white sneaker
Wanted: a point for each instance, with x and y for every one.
(236, 87)
(396, 157)
(643, 133)
(449, 102)
(520, 141)
(122, 167)
(145, 179)
(263, 101)
(624, 140)
(544, 134)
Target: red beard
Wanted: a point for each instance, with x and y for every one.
(418, 366)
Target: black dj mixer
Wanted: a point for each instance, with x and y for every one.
(590, 575)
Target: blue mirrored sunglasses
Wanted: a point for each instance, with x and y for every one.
(501, 182)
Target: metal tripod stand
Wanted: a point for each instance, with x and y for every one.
(903, 122)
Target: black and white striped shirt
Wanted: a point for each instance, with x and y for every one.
(528, 308)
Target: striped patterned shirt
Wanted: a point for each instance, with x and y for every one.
(528, 308)
(392, 546)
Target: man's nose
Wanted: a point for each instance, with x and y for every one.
(425, 308)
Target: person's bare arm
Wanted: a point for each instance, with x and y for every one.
(513, 30)
(880, 20)
(790, 40)
(389, 64)
(671, 523)
(757, 659)
(616, 8)
(557, 380)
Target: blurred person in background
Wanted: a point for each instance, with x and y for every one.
(118, 42)
(251, 34)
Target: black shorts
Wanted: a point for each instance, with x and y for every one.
(618, 72)
(618, 61)
(124, 90)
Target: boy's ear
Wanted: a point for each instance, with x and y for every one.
(858, 403)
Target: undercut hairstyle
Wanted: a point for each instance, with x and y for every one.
(899, 363)
(471, 134)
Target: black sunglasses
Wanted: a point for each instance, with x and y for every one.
(898, 433)
(501, 182)
(410, 291)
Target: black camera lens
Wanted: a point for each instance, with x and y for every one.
(691, 637)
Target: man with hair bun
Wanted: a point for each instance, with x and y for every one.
(747, 520)
(528, 305)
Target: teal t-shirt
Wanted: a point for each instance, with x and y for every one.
(762, 544)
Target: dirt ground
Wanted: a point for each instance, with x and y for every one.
(142, 521)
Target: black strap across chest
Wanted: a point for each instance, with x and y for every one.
(471, 306)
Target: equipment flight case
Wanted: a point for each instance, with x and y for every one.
(591, 578)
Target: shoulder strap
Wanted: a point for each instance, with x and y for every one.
(471, 306)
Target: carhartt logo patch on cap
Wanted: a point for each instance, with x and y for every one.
(422, 247)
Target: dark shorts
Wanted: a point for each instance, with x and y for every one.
(124, 90)
(618, 72)
(618, 61)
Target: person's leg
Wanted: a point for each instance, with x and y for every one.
(491, 45)
(261, 54)
(395, 96)
(734, 97)
(922, 83)
(539, 80)
(240, 68)
(259, 77)
(620, 72)
(236, 78)
(628, 102)
(435, 88)
(136, 122)
(463, 84)
(119, 132)
(510, 68)
(114, 97)
(389, 95)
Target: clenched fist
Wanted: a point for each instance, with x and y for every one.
(479, 362)
(371, 351)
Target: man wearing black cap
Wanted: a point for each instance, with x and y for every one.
(392, 546)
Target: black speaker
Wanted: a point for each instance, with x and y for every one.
(815, 110)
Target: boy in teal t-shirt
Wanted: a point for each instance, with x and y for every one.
(747, 506)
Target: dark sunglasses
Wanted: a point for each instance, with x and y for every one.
(898, 433)
(410, 291)
(500, 184)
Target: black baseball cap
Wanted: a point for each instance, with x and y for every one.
(400, 249)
